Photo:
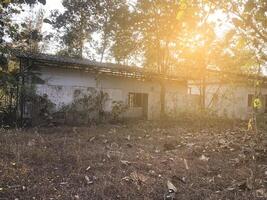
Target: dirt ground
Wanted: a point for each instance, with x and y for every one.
(134, 161)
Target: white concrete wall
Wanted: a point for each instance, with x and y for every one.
(176, 98)
(60, 85)
(232, 100)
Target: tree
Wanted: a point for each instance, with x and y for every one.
(83, 19)
(76, 23)
(11, 77)
(30, 34)
(110, 16)
(249, 20)
(9, 28)
(123, 35)
(161, 29)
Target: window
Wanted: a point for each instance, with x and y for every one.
(135, 99)
(250, 100)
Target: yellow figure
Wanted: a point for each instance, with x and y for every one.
(257, 103)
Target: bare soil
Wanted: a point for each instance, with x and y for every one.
(134, 161)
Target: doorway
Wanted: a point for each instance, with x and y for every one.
(138, 103)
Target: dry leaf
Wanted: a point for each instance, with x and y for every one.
(171, 186)
(186, 165)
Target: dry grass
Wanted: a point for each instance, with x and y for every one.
(133, 161)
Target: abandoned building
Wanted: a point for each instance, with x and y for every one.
(66, 79)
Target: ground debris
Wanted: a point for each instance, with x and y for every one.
(170, 195)
(170, 186)
(138, 177)
(92, 139)
(133, 162)
(128, 137)
(186, 164)
(125, 162)
(261, 193)
(204, 158)
(88, 180)
(245, 185)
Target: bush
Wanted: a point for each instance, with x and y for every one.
(118, 108)
(86, 108)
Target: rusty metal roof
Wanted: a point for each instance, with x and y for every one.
(87, 65)
(141, 73)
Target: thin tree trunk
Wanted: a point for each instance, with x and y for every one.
(103, 52)
(203, 93)
(162, 99)
(82, 35)
(22, 93)
(105, 40)
(203, 89)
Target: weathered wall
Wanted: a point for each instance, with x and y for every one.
(232, 100)
(60, 86)
(176, 98)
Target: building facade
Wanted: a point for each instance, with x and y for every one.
(66, 79)
(232, 100)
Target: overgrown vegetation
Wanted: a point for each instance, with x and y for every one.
(17, 91)
(118, 108)
(88, 108)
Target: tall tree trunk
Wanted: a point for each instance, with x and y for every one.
(164, 63)
(22, 91)
(203, 97)
(162, 99)
(81, 50)
(82, 34)
(105, 40)
(203, 89)
(103, 51)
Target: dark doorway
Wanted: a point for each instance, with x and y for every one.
(139, 100)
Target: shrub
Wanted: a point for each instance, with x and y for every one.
(118, 108)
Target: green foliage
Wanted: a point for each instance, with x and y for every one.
(87, 107)
(112, 15)
(118, 108)
(24, 36)
(16, 89)
(76, 24)
(42, 108)
(123, 35)
(82, 19)
(12, 29)
(249, 20)
(30, 34)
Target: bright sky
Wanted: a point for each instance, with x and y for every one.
(53, 4)
(56, 4)
(50, 5)
(54, 46)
